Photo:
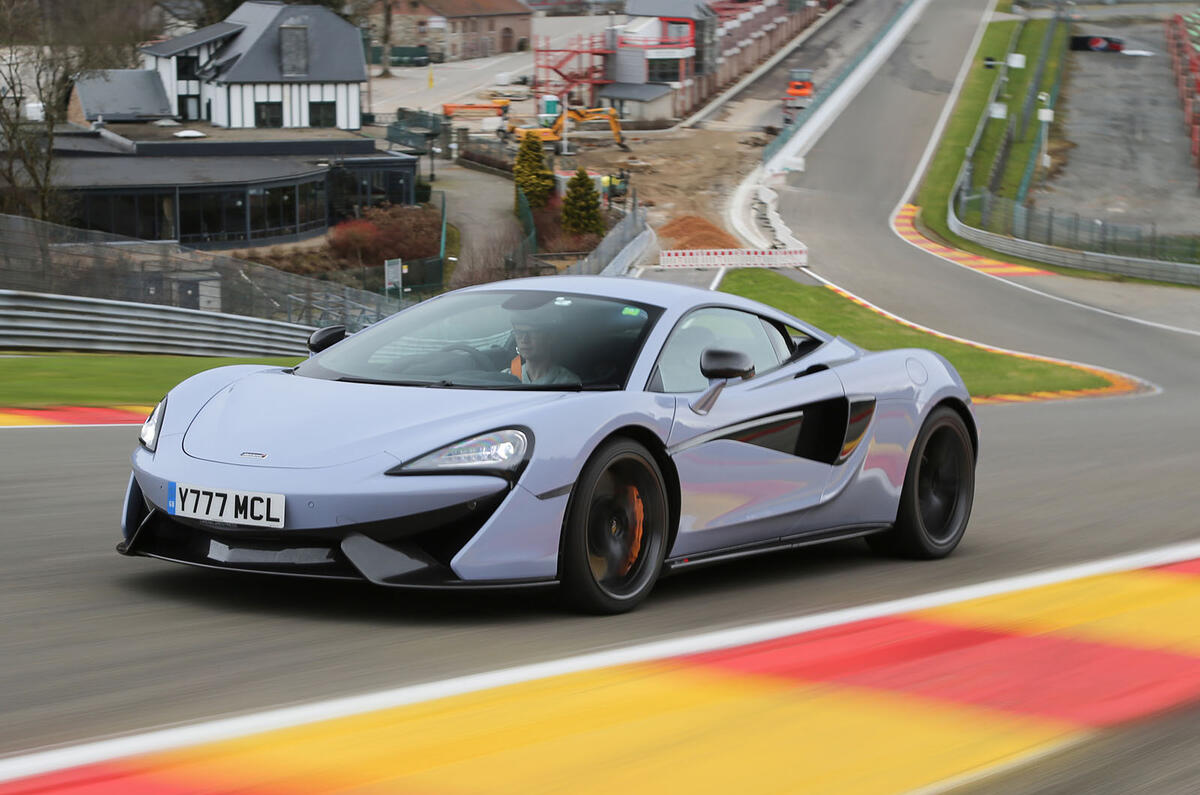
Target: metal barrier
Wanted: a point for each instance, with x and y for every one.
(620, 236)
(48, 258)
(823, 93)
(64, 322)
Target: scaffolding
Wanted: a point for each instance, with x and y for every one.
(578, 66)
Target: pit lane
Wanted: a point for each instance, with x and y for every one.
(96, 644)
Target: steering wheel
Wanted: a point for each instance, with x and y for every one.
(478, 357)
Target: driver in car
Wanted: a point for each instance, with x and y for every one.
(535, 332)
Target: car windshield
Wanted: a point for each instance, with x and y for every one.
(495, 340)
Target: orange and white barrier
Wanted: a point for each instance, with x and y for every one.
(796, 257)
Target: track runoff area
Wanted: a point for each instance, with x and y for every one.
(921, 693)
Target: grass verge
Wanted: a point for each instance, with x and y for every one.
(985, 373)
(102, 379)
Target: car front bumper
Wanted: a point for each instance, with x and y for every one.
(352, 522)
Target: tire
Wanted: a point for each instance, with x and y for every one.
(615, 535)
(939, 489)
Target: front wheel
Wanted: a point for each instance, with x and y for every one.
(939, 489)
(616, 530)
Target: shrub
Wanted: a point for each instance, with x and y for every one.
(581, 207)
(354, 240)
(531, 175)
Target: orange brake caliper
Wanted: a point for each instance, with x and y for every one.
(639, 518)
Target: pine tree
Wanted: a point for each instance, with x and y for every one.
(530, 173)
(581, 208)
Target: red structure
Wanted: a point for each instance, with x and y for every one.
(568, 71)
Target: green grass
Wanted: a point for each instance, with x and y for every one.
(86, 379)
(984, 373)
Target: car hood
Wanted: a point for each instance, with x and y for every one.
(277, 419)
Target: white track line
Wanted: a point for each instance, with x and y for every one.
(37, 762)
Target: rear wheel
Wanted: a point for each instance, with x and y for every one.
(616, 530)
(939, 489)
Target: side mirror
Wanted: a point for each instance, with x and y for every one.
(717, 363)
(322, 338)
(718, 366)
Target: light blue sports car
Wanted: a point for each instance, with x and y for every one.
(586, 432)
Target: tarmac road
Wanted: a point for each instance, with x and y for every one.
(95, 644)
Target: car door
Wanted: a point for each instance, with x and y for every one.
(742, 467)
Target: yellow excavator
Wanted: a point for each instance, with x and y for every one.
(553, 133)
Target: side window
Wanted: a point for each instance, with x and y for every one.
(729, 329)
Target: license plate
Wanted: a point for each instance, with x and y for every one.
(222, 505)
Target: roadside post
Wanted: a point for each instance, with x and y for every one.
(1045, 116)
(393, 276)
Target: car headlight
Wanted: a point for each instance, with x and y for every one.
(150, 428)
(500, 451)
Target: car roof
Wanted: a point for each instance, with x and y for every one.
(663, 294)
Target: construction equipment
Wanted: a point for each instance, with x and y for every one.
(497, 107)
(553, 133)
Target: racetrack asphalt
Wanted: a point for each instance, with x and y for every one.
(96, 644)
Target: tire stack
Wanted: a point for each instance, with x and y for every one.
(1183, 45)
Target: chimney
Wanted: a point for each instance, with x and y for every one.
(293, 48)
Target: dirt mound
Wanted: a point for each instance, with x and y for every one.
(692, 231)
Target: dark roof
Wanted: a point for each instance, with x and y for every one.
(135, 172)
(679, 9)
(132, 171)
(221, 30)
(335, 51)
(477, 8)
(251, 49)
(122, 95)
(639, 92)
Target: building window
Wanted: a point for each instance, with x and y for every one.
(662, 70)
(422, 26)
(322, 114)
(268, 114)
(186, 67)
(491, 25)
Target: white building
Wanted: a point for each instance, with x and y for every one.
(267, 65)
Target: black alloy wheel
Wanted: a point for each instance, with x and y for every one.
(939, 490)
(616, 530)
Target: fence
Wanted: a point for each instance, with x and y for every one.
(490, 152)
(823, 93)
(1074, 231)
(1031, 161)
(520, 260)
(620, 236)
(48, 258)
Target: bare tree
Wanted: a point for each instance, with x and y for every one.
(44, 45)
(386, 39)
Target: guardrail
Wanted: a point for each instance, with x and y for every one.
(1159, 270)
(65, 322)
(828, 88)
